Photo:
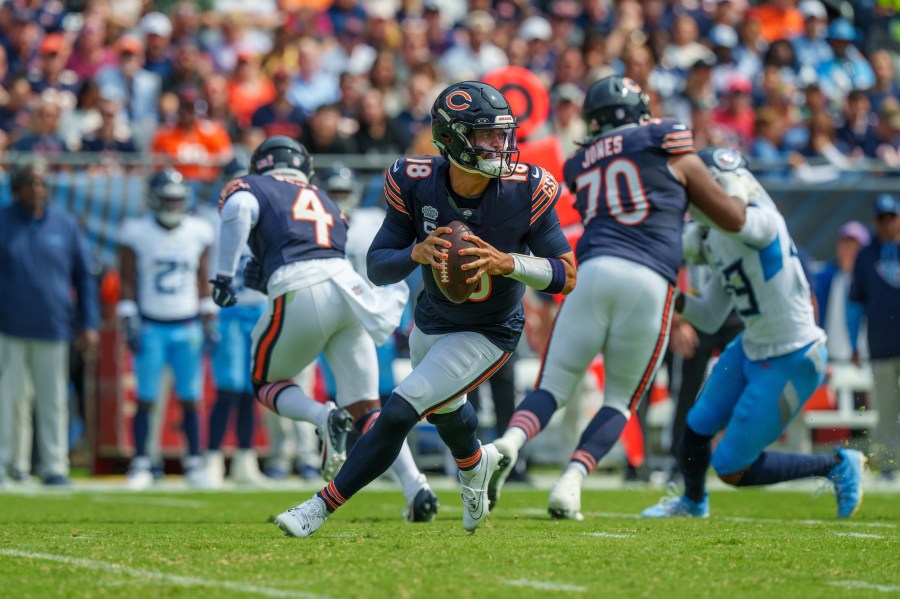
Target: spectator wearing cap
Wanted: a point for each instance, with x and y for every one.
(810, 47)
(779, 20)
(685, 49)
(538, 33)
(50, 72)
(43, 136)
(279, 117)
(475, 55)
(133, 87)
(886, 85)
(735, 112)
(311, 86)
(566, 122)
(848, 70)
(875, 287)
(90, 54)
(833, 287)
(195, 145)
(248, 89)
(46, 285)
(351, 53)
(157, 30)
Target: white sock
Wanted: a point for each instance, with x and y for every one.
(515, 436)
(405, 469)
(576, 469)
(293, 403)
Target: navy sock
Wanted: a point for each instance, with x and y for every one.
(364, 423)
(459, 430)
(218, 418)
(246, 420)
(774, 467)
(600, 435)
(696, 454)
(190, 423)
(534, 412)
(141, 427)
(373, 453)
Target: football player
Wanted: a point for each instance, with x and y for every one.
(316, 301)
(633, 179)
(231, 371)
(166, 311)
(767, 373)
(509, 207)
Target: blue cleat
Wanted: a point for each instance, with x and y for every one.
(847, 480)
(678, 506)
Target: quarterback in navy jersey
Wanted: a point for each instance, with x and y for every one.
(454, 348)
(633, 179)
(316, 301)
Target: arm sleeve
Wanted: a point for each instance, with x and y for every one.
(85, 284)
(239, 214)
(760, 227)
(389, 259)
(709, 311)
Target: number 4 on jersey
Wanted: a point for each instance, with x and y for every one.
(309, 207)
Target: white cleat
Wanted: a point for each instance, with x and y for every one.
(215, 468)
(245, 470)
(139, 477)
(565, 497)
(474, 487)
(338, 424)
(509, 454)
(195, 472)
(303, 520)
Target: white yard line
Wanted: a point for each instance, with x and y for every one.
(859, 535)
(545, 586)
(159, 577)
(608, 535)
(758, 520)
(866, 586)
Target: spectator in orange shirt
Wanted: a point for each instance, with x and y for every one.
(248, 89)
(196, 146)
(779, 20)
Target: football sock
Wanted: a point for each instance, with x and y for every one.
(774, 467)
(373, 453)
(246, 421)
(696, 454)
(289, 400)
(532, 415)
(141, 428)
(459, 430)
(600, 435)
(218, 418)
(191, 426)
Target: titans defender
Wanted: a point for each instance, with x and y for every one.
(455, 347)
(633, 179)
(165, 296)
(767, 373)
(316, 301)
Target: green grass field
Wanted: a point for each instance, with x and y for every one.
(223, 544)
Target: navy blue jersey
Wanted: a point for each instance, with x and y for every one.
(515, 214)
(631, 204)
(297, 221)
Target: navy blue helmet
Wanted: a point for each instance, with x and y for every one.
(281, 153)
(612, 102)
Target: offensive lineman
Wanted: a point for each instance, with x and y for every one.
(767, 373)
(317, 302)
(165, 297)
(455, 347)
(633, 180)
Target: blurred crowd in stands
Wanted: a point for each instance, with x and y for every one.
(796, 85)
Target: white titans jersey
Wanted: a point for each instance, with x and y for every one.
(245, 296)
(761, 273)
(167, 263)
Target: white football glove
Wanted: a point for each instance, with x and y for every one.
(692, 237)
(739, 185)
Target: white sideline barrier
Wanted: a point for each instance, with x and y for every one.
(845, 379)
